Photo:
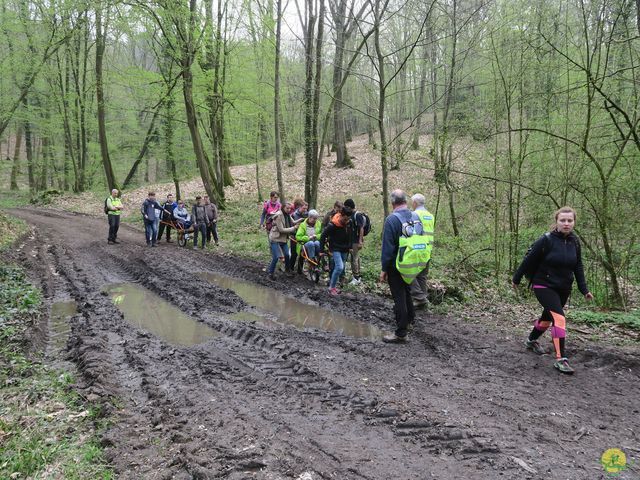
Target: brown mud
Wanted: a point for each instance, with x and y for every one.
(275, 401)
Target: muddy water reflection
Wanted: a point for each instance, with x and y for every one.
(290, 311)
(148, 311)
(59, 328)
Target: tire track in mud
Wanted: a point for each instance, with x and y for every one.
(89, 347)
(257, 402)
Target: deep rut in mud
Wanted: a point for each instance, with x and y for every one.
(460, 400)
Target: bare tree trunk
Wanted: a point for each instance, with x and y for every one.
(168, 139)
(15, 167)
(102, 129)
(339, 138)
(143, 151)
(28, 143)
(382, 86)
(415, 143)
(317, 159)
(309, 160)
(276, 100)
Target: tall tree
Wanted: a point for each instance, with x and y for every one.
(101, 32)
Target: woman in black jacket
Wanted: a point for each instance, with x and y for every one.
(554, 261)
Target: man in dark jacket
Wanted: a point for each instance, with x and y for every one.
(148, 210)
(212, 219)
(403, 304)
(199, 219)
(167, 215)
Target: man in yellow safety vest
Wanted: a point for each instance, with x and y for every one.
(419, 285)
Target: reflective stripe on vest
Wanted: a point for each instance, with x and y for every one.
(414, 253)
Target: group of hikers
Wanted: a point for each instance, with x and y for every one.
(298, 236)
(551, 264)
(160, 219)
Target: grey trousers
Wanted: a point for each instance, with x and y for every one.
(418, 287)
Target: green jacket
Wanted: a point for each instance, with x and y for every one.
(301, 234)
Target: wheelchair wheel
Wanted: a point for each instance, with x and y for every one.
(182, 240)
(315, 275)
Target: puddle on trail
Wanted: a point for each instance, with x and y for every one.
(59, 327)
(289, 311)
(146, 310)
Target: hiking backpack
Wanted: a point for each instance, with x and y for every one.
(106, 208)
(413, 249)
(367, 222)
(529, 274)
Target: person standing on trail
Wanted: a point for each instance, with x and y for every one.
(168, 206)
(552, 263)
(148, 210)
(269, 209)
(212, 219)
(338, 235)
(419, 285)
(113, 207)
(337, 207)
(356, 224)
(394, 226)
(283, 226)
(300, 213)
(199, 218)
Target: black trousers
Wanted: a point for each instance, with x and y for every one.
(200, 228)
(114, 225)
(402, 302)
(161, 230)
(212, 229)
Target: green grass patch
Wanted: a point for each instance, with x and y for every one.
(45, 429)
(594, 318)
(10, 230)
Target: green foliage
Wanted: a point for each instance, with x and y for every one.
(44, 425)
(597, 318)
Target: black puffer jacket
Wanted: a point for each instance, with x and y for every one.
(338, 237)
(556, 260)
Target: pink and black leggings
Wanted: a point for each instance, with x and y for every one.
(553, 302)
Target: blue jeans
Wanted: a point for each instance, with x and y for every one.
(338, 267)
(200, 228)
(150, 231)
(313, 247)
(277, 249)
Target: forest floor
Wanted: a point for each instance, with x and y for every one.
(256, 398)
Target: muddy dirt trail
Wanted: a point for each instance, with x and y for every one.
(252, 397)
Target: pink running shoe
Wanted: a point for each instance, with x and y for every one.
(334, 291)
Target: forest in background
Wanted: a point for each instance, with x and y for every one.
(508, 109)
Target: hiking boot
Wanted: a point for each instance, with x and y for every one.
(535, 347)
(169, 240)
(110, 242)
(563, 366)
(355, 281)
(393, 338)
(116, 242)
(271, 276)
(334, 291)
